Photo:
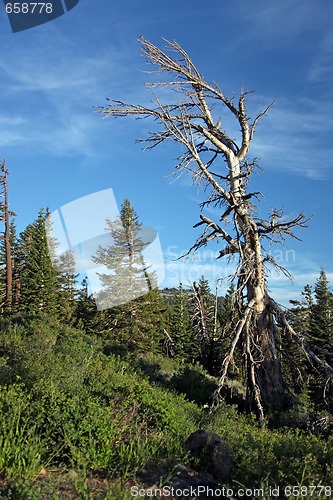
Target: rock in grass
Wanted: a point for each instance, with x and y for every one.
(210, 453)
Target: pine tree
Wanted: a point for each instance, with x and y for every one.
(227, 312)
(228, 315)
(204, 323)
(300, 314)
(151, 321)
(321, 335)
(68, 288)
(87, 316)
(321, 317)
(15, 294)
(181, 331)
(39, 286)
(128, 277)
(16, 286)
(312, 317)
(128, 289)
(295, 363)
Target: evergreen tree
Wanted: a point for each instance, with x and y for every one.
(128, 277)
(15, 295)
(312, 317)
(39, 285)
(204, 323)
(227, 311)
(321, 335)
(87, 316)
(296, 368)
(321, 317)
(228, 315)
(181, 332)
(300, 314)
(151, 321)
(68, 288)
(134, 314)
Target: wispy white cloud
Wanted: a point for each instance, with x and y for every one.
(278, 22)
(11, 129)
(295, 137)
(321, 69)
(48, 94)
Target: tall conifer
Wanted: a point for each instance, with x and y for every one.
(38, 278)
(68, 290)
(204, 322)
(321, 320)
(128, 277)
(181, 331)
(128, 289)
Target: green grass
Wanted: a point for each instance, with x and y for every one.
(78, 423)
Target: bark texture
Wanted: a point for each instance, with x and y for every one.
(220, 164)
(5, 215)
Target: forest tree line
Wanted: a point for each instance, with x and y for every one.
(195, 326)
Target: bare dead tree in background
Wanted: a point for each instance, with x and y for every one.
(5, 215)
(219, 163)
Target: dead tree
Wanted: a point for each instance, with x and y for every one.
(5, 215)
(221, 165)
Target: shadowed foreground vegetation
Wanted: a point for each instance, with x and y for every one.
(82, 419)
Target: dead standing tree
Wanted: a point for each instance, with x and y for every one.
(5, 215)
(217, 162)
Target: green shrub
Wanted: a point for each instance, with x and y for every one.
(20, 445)
(77, 407)
(194, 382)
(18, 490)
(281, 457)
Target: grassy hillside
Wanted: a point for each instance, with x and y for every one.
(82, 418)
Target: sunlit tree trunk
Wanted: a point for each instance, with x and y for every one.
(220, 164)
(5, 217)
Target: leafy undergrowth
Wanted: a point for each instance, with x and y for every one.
(79, 421)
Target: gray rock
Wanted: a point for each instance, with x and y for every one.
(210, 453)
(182, 479)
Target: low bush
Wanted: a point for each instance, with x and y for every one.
(194, 382)
(20, 444)
(68, 404)
(282, 457)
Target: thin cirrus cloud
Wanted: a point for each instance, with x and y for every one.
(295, 138)
(48, 97)
(10, 133)
(285, 19)
(322, 66)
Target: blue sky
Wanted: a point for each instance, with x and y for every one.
(58, 149)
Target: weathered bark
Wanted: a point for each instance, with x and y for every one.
(220, 163)
(267, 368)
(5, 216)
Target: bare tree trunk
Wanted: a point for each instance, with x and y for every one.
(265, 365)
(220, 164)
(266, 388)
(5, 215)
(9, 270)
